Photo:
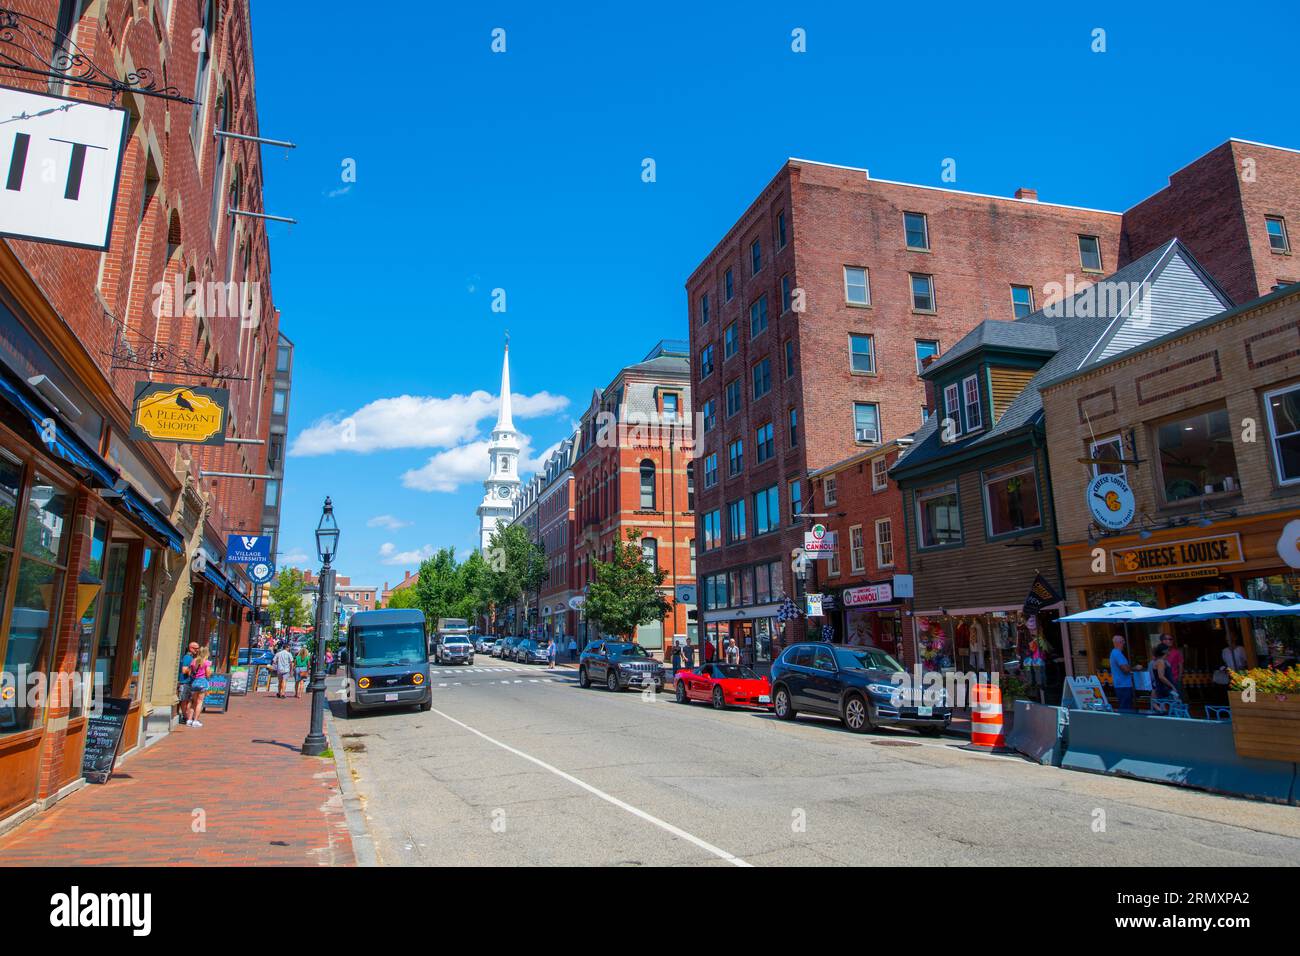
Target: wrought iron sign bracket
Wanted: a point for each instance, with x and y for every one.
(32, 46)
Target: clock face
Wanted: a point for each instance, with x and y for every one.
(503, 492)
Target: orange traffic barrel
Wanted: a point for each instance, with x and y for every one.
(986, 731)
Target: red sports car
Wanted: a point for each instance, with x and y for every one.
(724, 685)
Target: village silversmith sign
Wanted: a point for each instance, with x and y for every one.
(60, 161)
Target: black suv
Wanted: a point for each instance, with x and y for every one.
(856, 684)
(618, 664)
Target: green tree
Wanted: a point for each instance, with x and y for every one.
(627, 591)
(514, 565)
(405, 598)
(285, 600)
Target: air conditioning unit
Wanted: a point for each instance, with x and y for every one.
(867, 435)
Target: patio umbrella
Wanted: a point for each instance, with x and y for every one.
(1222, 604)
(1113, 612)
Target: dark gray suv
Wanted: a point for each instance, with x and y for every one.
(618, 664)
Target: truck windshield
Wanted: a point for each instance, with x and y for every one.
(377, 646)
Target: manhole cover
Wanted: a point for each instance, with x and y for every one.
(895, 743)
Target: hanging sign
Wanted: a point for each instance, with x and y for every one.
(261, 572)
(1288, 544)
(248, 548)
(64, 159)
(1111, 501)
(165, 411)
(819, 543)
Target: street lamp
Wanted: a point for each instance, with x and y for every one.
(327, 544)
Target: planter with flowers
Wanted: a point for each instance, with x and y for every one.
(1266, 713)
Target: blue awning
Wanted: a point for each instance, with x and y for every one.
(218, 577)
(66, 444)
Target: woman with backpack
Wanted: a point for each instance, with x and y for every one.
(200, 671)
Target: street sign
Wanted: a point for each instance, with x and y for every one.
(248, 549)
(685, 594)
(261, 572)
(819, 543)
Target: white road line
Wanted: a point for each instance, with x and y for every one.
(622, 805)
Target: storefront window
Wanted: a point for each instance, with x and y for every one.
(142, 621)
(90, 586)
(937, 516)
(1277, 639)
(111, 622)
(34, 620)
(1196, 456)
(1011, 498)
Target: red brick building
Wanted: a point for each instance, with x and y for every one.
(555, 521)
(632, 470)
(408, 580)
(127, 538)
(810, 320)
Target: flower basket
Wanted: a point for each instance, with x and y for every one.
(1268, 727)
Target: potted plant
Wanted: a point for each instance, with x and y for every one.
(1266, 713)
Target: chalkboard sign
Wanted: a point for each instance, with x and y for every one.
(217, 699)
(103, 737)
(239, 681)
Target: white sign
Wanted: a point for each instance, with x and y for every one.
(870, 594)
(1111, 502)
(577, 602)
(685, 593)
(1288, 544)
(59, 165)
(819, 545)
(814, 607)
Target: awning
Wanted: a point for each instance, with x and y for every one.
(215, 575)
(66, 444)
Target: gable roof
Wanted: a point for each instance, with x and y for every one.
(1162, 291)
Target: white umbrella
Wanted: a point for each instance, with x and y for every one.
(1113, 612)
(1222, 604)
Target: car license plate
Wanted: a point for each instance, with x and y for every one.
(764, 699)
(390, 697)
(925, 711)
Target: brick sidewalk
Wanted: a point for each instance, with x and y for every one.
(265, 804)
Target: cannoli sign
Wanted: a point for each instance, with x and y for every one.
(179, 413)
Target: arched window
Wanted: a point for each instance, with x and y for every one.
(647, 485)
(650, 552)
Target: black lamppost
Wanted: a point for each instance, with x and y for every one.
(327, 543)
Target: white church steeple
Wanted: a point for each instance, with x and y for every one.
(502, 484)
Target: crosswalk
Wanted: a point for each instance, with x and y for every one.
(447, 678)
(436, 670)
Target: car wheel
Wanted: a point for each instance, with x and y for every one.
(719, 699)
(583, 680)
(782, 706)
(857, 714)
(681, 693)
(428, 704)
(611, 681)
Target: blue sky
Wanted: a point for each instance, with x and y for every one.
(522, 171)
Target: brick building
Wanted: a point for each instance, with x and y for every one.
(632, 470)
(812, 317)
(127, 538)
(555, 521)
(408, 580)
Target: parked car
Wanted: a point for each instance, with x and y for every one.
(724, 685)
(531, 652)
(618, 664)
(482, 644)
(508, 647)
(855, 684)
(497, 647)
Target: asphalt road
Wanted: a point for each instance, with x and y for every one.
(519, 766)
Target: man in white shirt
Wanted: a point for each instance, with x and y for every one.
(283, 664)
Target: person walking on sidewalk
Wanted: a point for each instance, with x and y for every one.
(200, 671)
(1121, 675)
(184, 687)
(283, 663)
(301, 669)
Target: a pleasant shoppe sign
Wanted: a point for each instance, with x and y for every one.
(166, 411)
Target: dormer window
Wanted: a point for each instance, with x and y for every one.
(970, 388)
(952, 406)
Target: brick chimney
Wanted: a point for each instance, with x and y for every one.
(1028, 194)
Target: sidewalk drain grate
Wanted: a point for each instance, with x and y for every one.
(895, 743)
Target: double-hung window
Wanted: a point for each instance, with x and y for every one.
(970, 390)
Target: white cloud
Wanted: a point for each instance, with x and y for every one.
(468, 463)
(295, 557)
(415, 421)
(387, 521)
(389, 554)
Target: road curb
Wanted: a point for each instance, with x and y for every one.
(363, 845)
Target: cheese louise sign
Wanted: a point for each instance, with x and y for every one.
(1176, 556)
(60, 161)
(165, 411)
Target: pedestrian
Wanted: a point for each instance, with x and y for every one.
(688, 656)
(1234, 659)
(1121, 675)
(302, 669)
(329, 661)
(1175, 658)
(200, 671)
(1162, 684)
(677, 657)
(573, 649)
(283, 664)
(550, 654)
(184, 686)
(733, 652)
